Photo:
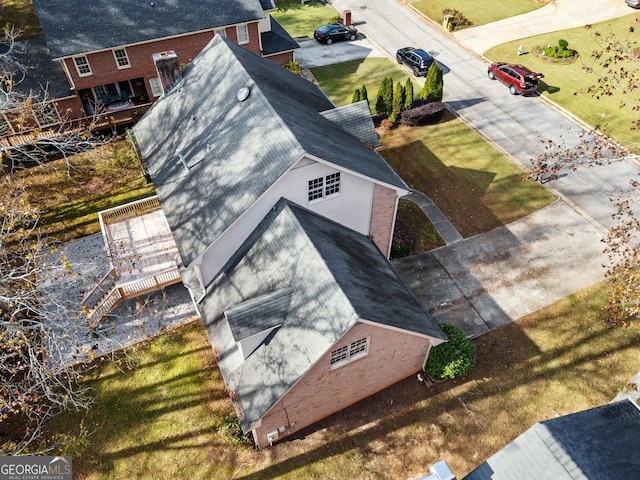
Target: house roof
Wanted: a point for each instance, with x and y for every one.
(336, 275)
(236, 150)
(599, 443)
(277, 40)
(73, 27)
(41, 74)
(353, 119)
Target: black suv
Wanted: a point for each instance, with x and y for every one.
(416, 58)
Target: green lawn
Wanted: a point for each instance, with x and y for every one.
(70, 197)
(301, 20)
(472, 183)
(486, 12)
(564, 83)
(22, 15)
(158, 411)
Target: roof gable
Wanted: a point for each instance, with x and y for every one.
(236, 150)
(73, 27)
(599, 443)
(280, 253)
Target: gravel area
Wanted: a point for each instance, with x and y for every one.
(74, 269)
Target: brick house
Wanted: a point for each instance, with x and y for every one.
(283, 216)
(110, 51)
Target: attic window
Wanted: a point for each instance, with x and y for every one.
(323, 187)
(343, 355)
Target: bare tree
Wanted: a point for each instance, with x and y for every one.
(616, 70)
(34, 384)
(21, 106)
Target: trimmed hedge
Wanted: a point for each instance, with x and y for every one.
(428, 113)
(453, 358)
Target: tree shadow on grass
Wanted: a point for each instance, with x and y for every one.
(516, 383)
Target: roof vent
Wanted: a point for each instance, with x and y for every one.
(193, 118)
(243, 94)
(182, 160)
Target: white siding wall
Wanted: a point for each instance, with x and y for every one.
(352, 208)
(264, 25)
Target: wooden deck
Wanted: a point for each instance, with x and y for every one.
(141, 246)
(143, 255)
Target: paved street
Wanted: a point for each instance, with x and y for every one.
(497, 277)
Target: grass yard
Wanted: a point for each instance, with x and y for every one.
(340, 80)
(69, 199)
(472, 183)
(301, 20)
(563, 83)
(21, 14)
(158, 414)
(489, 11)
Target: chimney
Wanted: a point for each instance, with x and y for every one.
(168, 68)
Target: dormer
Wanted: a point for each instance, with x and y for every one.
(253, 322)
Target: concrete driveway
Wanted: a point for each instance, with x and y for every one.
(315, 54)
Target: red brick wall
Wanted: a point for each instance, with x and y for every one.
(392, 357)
(105, 70)
(281, 58)
(383, 213)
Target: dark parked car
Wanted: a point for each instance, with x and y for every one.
(417, 59)
(334, 32)
(518, 78)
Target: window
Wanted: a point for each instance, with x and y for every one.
(324, 186)
(46, 115)
(156, 87)
(316, 187)
(82, 66)
(122, 60)
(346, 354)
(332, 184)
(220, 31)
(243, 34)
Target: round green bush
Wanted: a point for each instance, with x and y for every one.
(453, 358)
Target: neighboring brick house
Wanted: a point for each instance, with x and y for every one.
(109, 49)
(283, 215)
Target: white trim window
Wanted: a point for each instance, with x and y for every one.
(121, 58)
(243, 34)
(220, 31)
(82, 66)
(343, 355)
(323, 187)
(46, 115)
(156, 87)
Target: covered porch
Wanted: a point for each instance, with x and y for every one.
(142, 254)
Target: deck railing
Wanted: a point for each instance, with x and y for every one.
(133, 209)
(132, 289)
(108, 293)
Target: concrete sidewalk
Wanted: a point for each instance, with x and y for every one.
(557, 15)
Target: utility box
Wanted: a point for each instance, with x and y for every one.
(346, 17)
(447, 22)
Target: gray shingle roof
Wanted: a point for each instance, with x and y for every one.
(42, 72)
(599, 443)
(338, 276)
(355, 119)
(237, 150)
(73, 27)
(277, 40)
(259, 314)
